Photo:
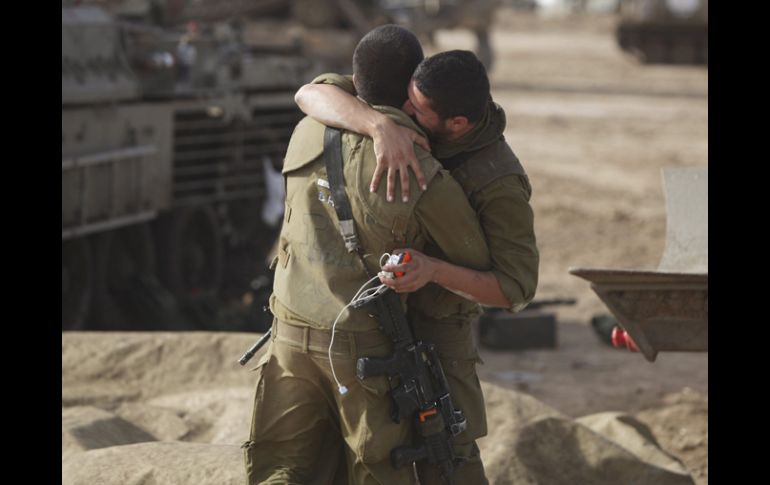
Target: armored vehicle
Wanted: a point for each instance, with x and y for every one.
(425, 17)
(173, 132)
(664, 31)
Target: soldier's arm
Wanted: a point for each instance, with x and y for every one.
(508, 222)
(479, 286)
(330, 99)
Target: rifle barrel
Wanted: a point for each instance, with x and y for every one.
(254, 348)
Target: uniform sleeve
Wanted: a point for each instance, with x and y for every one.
(508, 223)
(449, 222)
(344, 82)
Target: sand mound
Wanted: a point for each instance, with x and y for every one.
(682, 425)
(88, 428)
(220, 416)
(187, 390)
(167, 463)
(108, 369)
(163, 423)
(532, 443)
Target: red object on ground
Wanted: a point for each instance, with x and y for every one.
(621, 338)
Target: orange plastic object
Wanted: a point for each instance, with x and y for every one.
(403, 258)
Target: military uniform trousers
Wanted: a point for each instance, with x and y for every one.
(303, 431)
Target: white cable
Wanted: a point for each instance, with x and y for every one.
(342, 389)
(361, 294)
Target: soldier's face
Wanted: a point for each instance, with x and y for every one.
(418, 107)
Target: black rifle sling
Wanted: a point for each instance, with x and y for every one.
(389, 304)
(333, 160)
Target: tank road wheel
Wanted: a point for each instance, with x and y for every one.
(703, 52)
(125, 260)
(193, 259)
(655, 51)
(76, 283)
(249, 241)
(684, 51)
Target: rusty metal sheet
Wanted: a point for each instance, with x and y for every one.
(661, 311)
(666, 309)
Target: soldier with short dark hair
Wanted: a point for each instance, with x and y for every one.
(456, 84)
(314, 421)
(449, 97)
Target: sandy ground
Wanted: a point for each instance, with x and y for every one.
(593, 129)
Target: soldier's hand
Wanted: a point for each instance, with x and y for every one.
(394, 149)
(419, 272)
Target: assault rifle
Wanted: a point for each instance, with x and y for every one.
(421, 391)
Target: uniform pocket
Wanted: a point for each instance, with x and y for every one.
(465, 389)
(250, 451)
(377, 433)
(259, 393)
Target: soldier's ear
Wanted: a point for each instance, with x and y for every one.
(458, 124)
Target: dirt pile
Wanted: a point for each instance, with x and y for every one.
(180, 418)
(129, 368)
(680, 424)
(88, 428)
(169, 463)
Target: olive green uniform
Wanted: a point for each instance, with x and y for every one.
(499, 191)
(302, 428)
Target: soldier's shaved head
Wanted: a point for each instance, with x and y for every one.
(383, 63)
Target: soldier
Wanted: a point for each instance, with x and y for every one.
(449, 96)
(302, 427)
